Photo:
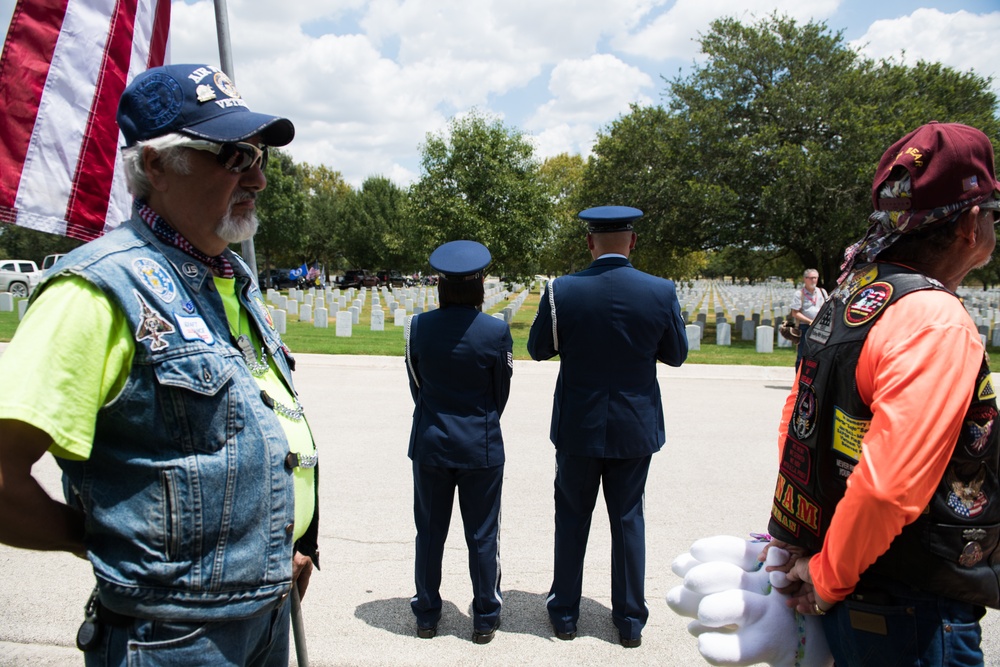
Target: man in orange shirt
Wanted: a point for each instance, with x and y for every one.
(888, 480)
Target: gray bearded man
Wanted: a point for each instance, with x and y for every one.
(150, 368)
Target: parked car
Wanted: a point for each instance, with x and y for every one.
(359, 278)
(392, 277)
(19, 276)
(50, 260)
(276, 278)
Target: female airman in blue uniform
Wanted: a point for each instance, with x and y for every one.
(459, 362)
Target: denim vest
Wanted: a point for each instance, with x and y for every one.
(189, 504)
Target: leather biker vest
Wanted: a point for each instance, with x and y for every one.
(952, 548)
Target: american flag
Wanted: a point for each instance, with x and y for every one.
(64, 66)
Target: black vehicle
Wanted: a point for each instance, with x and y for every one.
(276, 278)
(359, 278)
(391, 277)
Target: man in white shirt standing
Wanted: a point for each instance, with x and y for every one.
(806, 304)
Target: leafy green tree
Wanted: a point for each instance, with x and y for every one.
(23, 243)
(375, 234)
(772, 141)
(327, 197)
(480, 182)
(564, 249)
(281, 208)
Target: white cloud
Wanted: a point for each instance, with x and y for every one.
(364, 81)
(961, 40)
(585, 94)
(675, 32)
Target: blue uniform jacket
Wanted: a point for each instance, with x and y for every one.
(609, 324)
(459, 362)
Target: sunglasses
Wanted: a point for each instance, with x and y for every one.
(236, 157)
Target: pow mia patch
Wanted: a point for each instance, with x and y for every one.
(867, 303)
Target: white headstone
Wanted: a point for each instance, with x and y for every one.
(694, 336)
(6, 302)
(22, 308)
(765, 339)
(292, 307)
(723, 334)
(355, 314)
(399, 317)
(748, 330)
(378, 320)
(306, 313)
(345, 321)
(278, 317)
(320, 321)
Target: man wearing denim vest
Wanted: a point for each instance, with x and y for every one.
(149, 367)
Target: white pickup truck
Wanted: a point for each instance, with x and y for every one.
(18, 276)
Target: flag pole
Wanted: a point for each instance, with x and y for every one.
(226, 61)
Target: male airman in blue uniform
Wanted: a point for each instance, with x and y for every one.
(459, 362)
(609, 324)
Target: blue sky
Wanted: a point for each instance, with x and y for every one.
(364, 81)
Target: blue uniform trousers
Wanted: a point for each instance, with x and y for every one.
(577, 481)
(479, 501)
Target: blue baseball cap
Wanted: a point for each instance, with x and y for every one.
(196, 100)
(460, 260)
(610, 218)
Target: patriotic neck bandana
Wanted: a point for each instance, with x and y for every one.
(219, 265)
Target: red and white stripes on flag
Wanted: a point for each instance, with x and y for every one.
(64, 66)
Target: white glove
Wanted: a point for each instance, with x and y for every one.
(739, 618)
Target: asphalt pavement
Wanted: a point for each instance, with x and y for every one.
(714, 476)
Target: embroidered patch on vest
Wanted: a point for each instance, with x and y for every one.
(264, 309)
(860, 279)
(977, 429)
(194, 328)
(867, 303)
(848, 432)
(152, 325)
(156, 278)
(804, 415)
(796, 461)
(822, 326)
(966, 499)
(793, 509)
(984, 387)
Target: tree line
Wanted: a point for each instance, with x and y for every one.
(758, 162)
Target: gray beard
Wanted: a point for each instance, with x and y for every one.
(237, 228)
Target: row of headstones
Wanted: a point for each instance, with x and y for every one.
(763, 336)
(508, 313)
(7, 305)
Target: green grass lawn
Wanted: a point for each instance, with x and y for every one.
(304, 337)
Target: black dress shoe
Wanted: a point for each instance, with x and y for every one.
(566, 636)
(484, 637)
(427, 633)
(635, 642)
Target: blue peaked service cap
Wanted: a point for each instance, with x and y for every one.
(460, 260)
(610, 218)
(199, 101)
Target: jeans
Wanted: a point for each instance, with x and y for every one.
(897, 625)
(258, 641)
